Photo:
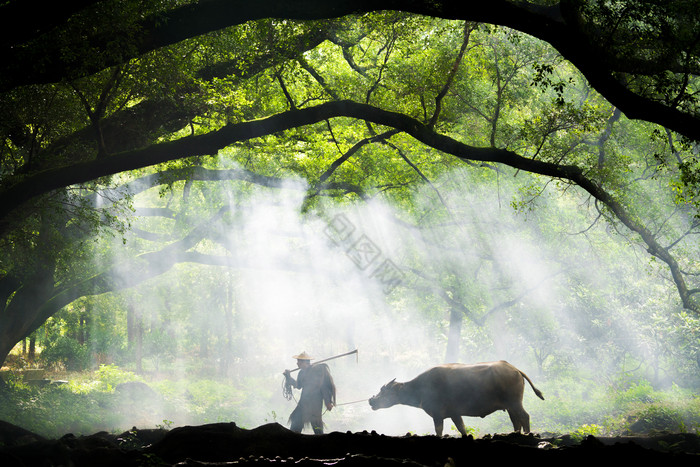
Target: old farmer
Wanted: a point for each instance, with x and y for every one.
(317, 389)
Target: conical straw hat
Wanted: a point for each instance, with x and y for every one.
(303, 356)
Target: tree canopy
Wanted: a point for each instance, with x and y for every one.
(104, 100)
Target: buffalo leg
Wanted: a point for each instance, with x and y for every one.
(438, 426)
(520, 419)
(526, 422)
(459, 423)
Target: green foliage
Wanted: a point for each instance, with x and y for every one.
(67, 353)
(637, 392)
(575, 407)
(159, 347)
(111, 375)
(580, 408)
(14, 380)
(55, 411)
(470, 430)
(657, 418)
(208, 401)
(586, 299)
(585, 431)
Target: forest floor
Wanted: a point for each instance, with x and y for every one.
(272, 444)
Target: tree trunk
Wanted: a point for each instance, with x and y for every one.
(31, 355)
(84, 326)
(454, 334)
(26, 312)
(227, 351)
(134, 332)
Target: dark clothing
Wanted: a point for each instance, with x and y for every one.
(317, 388)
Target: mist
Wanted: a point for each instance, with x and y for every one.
(366, 276)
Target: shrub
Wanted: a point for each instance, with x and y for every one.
(111, 375)
(641, 391)
(656, 418)
(586, 430)
(66, 352)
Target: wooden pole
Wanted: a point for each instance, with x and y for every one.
(329, 358)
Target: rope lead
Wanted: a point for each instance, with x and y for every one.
(287, 390)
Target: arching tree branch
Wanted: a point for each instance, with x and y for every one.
(211, 143)
(560, 25)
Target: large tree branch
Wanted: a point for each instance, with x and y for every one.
(134, 271)
(141, 268)
(19, 21)
(139, 125)
(211, 143)
(557, 25)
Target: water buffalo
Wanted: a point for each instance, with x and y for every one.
(456, 389)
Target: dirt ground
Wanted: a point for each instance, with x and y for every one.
(272, 444)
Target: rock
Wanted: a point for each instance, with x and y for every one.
(136, 391)
(222, 444)
(12, 435)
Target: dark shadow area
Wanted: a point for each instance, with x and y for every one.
(273, 444)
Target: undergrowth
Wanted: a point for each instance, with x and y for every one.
(88, 402)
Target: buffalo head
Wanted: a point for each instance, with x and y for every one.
(388, 396)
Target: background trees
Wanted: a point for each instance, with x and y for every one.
(192, 179)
